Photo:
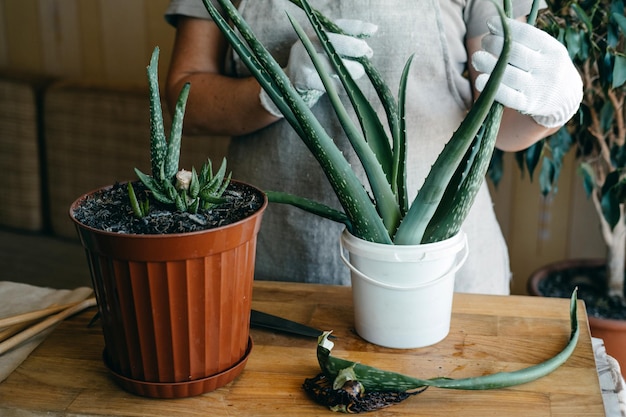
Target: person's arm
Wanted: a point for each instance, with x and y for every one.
(517, 131)
(217, 104)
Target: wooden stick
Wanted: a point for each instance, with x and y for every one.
(34, 315)
(14, 329)
(45, 324)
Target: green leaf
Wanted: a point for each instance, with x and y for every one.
(573, 42)
(173, 146)
(533, 156)
(194, 185)
(399, 148)
(619, 71)
(374, 379)
(211, 198)
(609, 199)
(582, 15)
(547, 176)
(620, 19)
(462, 190)
(154, 186)
(308, 205)
(588, 176)
(351, 193)
(158, 143)
(496, 167)
(413, 227)
(135, 205)
(181, 203)
(378, 173)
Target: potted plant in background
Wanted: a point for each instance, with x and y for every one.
(384, 221)
(172, 264)
(593, 32)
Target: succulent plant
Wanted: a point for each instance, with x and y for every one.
(386, 216)
(168, 184)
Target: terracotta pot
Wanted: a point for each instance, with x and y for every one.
(613, 332)
(174, 308)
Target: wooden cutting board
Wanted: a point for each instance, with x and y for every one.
(65, 376)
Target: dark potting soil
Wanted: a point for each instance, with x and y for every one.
(110, 210)
(591, 284)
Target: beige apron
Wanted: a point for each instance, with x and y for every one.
(296, 246)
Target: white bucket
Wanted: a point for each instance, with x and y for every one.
(403, 294)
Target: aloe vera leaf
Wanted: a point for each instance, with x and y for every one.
(311, 206)
(378, 141)
(354, 199)
(534, 11)
(328, 24)
(462, 190)
(399, 148)
(379, 181)
(371, 126)
(173, 146)
(396, 123)
(194, 184)
(225, 184)
(469, 176)
(154, 187)
(375, 379)
(413, 227)
(134, 203)
(158, 143)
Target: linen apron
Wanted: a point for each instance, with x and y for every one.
(294, 245)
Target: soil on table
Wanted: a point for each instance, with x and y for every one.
(592, 288)
(110, 210)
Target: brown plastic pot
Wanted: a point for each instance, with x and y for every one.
(613, 332)
(174, 308)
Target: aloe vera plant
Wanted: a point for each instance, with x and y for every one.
(445, 198)
(183, 190)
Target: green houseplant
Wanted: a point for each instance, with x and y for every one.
(593, 32)
(381, 216)
(385, 217)
(166, 294)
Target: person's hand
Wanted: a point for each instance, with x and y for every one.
(540, 80)
(303, 74)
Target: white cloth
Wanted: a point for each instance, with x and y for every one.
(17, 298)
(611, 381)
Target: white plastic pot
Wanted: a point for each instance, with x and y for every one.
(402, 294)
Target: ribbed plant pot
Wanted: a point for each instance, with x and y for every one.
(174, 308)
(611, 331)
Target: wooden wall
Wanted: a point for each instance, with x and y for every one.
(111, 40)
(108, 40)
(541, 229)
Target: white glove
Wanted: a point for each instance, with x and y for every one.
(540, 80)
(302, 73)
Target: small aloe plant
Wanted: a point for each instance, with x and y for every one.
(184, 190)
(386, 216)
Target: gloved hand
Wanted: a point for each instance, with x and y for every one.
(540, 80)
(302, 73)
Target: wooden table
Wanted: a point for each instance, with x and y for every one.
(65, 376)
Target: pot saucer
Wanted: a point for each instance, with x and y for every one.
(179, 389)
